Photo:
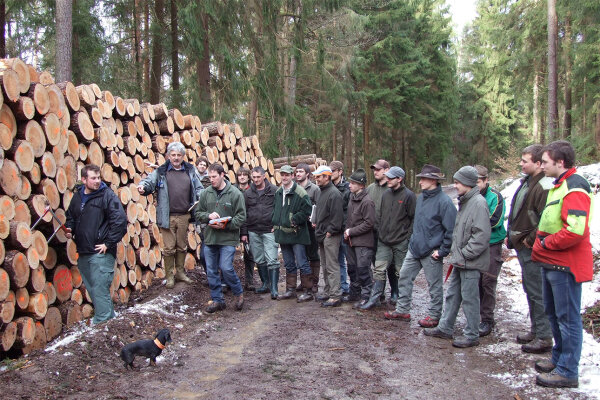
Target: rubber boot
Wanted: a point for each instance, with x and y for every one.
(263, 273)
(180, 268)
(290, 287)
(273, 282)
(382, 296)
(315, 267)
(393, 285)
(378, 288)
(169, 265)
(307, 285)
(248, 272)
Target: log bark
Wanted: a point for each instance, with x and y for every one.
(70, 313)
(16, 266)
(53, 323)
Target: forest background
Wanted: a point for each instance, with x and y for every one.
(353, 80)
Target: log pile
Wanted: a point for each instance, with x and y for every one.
(312, 160)
(48, 132)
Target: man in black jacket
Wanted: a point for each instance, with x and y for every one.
(328, 230)
(97, 222)
(394, 226)
(258, 228)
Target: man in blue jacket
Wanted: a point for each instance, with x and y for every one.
(430, 242)
(97, 222)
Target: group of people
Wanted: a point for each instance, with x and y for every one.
(359, 237)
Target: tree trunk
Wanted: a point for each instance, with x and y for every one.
(204, 69)
(536, 108)
(137, 41)
(146, 49)
(156, 71)
(552, 71)
(567, 122)
(175, 56)
(64, 40)
(2, 29)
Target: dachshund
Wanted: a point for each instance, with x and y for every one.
(146, 348)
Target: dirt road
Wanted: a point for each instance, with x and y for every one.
(276, 350)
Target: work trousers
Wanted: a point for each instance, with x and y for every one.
(328, 252)
(97, 271)
(531, 275)
(463, 289)
(175, 237)
(433, 270)
(488, 282)
(359, 270)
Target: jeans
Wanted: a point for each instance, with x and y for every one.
(562, 302)
(488, 282)
(220, 257)
(463, 288)
(359, 271)
(97, 271)
(329, 253)
(343, 269)
(433, 270)
(264, 249)
(294, 258)
(531, 274)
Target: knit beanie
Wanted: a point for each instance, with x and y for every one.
(467, 175)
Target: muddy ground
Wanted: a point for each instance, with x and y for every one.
(275, 350)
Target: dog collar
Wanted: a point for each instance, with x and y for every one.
(159, 344)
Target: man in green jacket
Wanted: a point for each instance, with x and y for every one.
(469, 255)
(489, 279)
(290, 217)
(222, 207)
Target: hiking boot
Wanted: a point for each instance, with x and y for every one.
(239, 302)
(332, 303)
(524, 338)
(428, 322)
(538, 346)
(359, 303)
(485, 328)
(350, 298)
(306, 282)
(544, 366)
(290, 287)
(554, 380)
(436, 332)
(214, 306)
(464, 342)
(396, 315)
(306, 296)
(322, 297)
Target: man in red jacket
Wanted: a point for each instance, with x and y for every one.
(563, 246)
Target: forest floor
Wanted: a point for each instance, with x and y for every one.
(281, 349)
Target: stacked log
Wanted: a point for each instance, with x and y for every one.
(48, 132)
(312, 160)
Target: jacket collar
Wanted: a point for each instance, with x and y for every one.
(165, 167)
(432, 192)
(358, 196)
(564, 176)
(81, 189)
(268, 186)
(467, 196)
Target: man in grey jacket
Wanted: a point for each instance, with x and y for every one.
(470, 255)
(430, 242)
(178, 185)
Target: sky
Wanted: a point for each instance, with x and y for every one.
(462, 11)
